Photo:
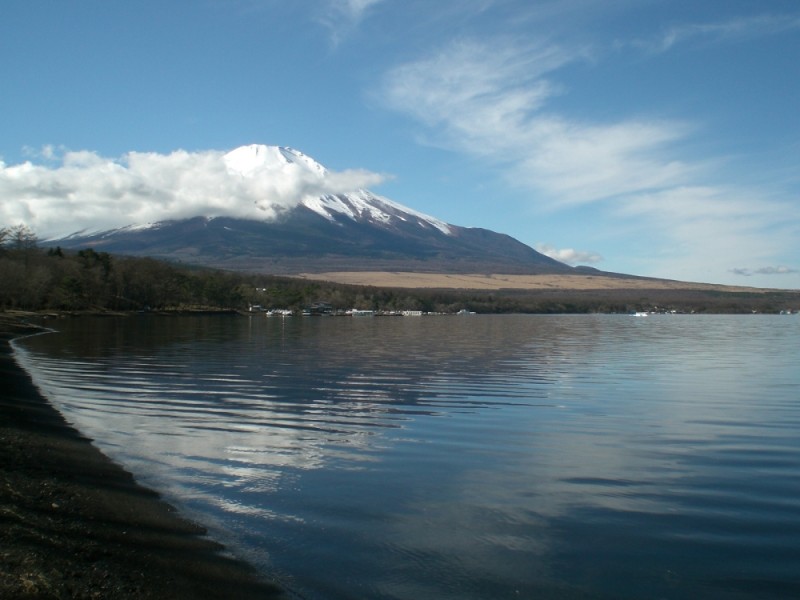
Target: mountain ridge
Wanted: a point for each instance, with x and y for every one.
(355, 230)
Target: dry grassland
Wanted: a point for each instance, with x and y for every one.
(510, 282)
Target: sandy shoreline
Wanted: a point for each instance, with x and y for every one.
(77, 525)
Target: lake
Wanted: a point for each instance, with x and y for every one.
(591, 456)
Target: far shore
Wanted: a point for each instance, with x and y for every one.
(77, 525)
(498, 282)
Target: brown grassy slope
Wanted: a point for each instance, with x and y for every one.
(512, 282)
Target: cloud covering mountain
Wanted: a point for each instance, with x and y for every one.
(255, 208)
(88, 192)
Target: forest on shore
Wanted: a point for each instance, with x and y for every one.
(38, 278)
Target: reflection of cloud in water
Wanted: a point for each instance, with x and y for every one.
(469, 445)
(290, 398)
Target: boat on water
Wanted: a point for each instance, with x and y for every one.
(641, 313)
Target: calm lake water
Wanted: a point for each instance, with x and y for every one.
(461, 456)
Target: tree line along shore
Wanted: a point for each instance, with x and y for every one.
(39, 278)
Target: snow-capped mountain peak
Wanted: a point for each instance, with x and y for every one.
(259, 159)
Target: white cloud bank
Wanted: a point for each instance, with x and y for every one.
(569, 256)
(84, 191)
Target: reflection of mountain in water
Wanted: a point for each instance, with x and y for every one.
(284, 387)
(469, 457)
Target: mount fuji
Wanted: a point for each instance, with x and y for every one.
(318, 230)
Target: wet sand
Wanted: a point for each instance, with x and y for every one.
(74, 524)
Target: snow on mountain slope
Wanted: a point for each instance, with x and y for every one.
(365, 206)
(83, 233)
(259, 161)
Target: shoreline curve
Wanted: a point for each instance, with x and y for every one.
(76, 524)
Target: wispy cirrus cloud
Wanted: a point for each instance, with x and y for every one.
(489, 100)
(497, 100)
(729, 30)
(342, 17)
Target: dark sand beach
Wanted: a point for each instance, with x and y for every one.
(73, 524)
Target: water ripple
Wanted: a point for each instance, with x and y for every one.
(461, 457)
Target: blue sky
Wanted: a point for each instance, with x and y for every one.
(653, 137)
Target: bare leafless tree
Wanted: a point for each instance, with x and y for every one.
(20, 237)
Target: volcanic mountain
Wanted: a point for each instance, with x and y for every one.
(353, 231)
